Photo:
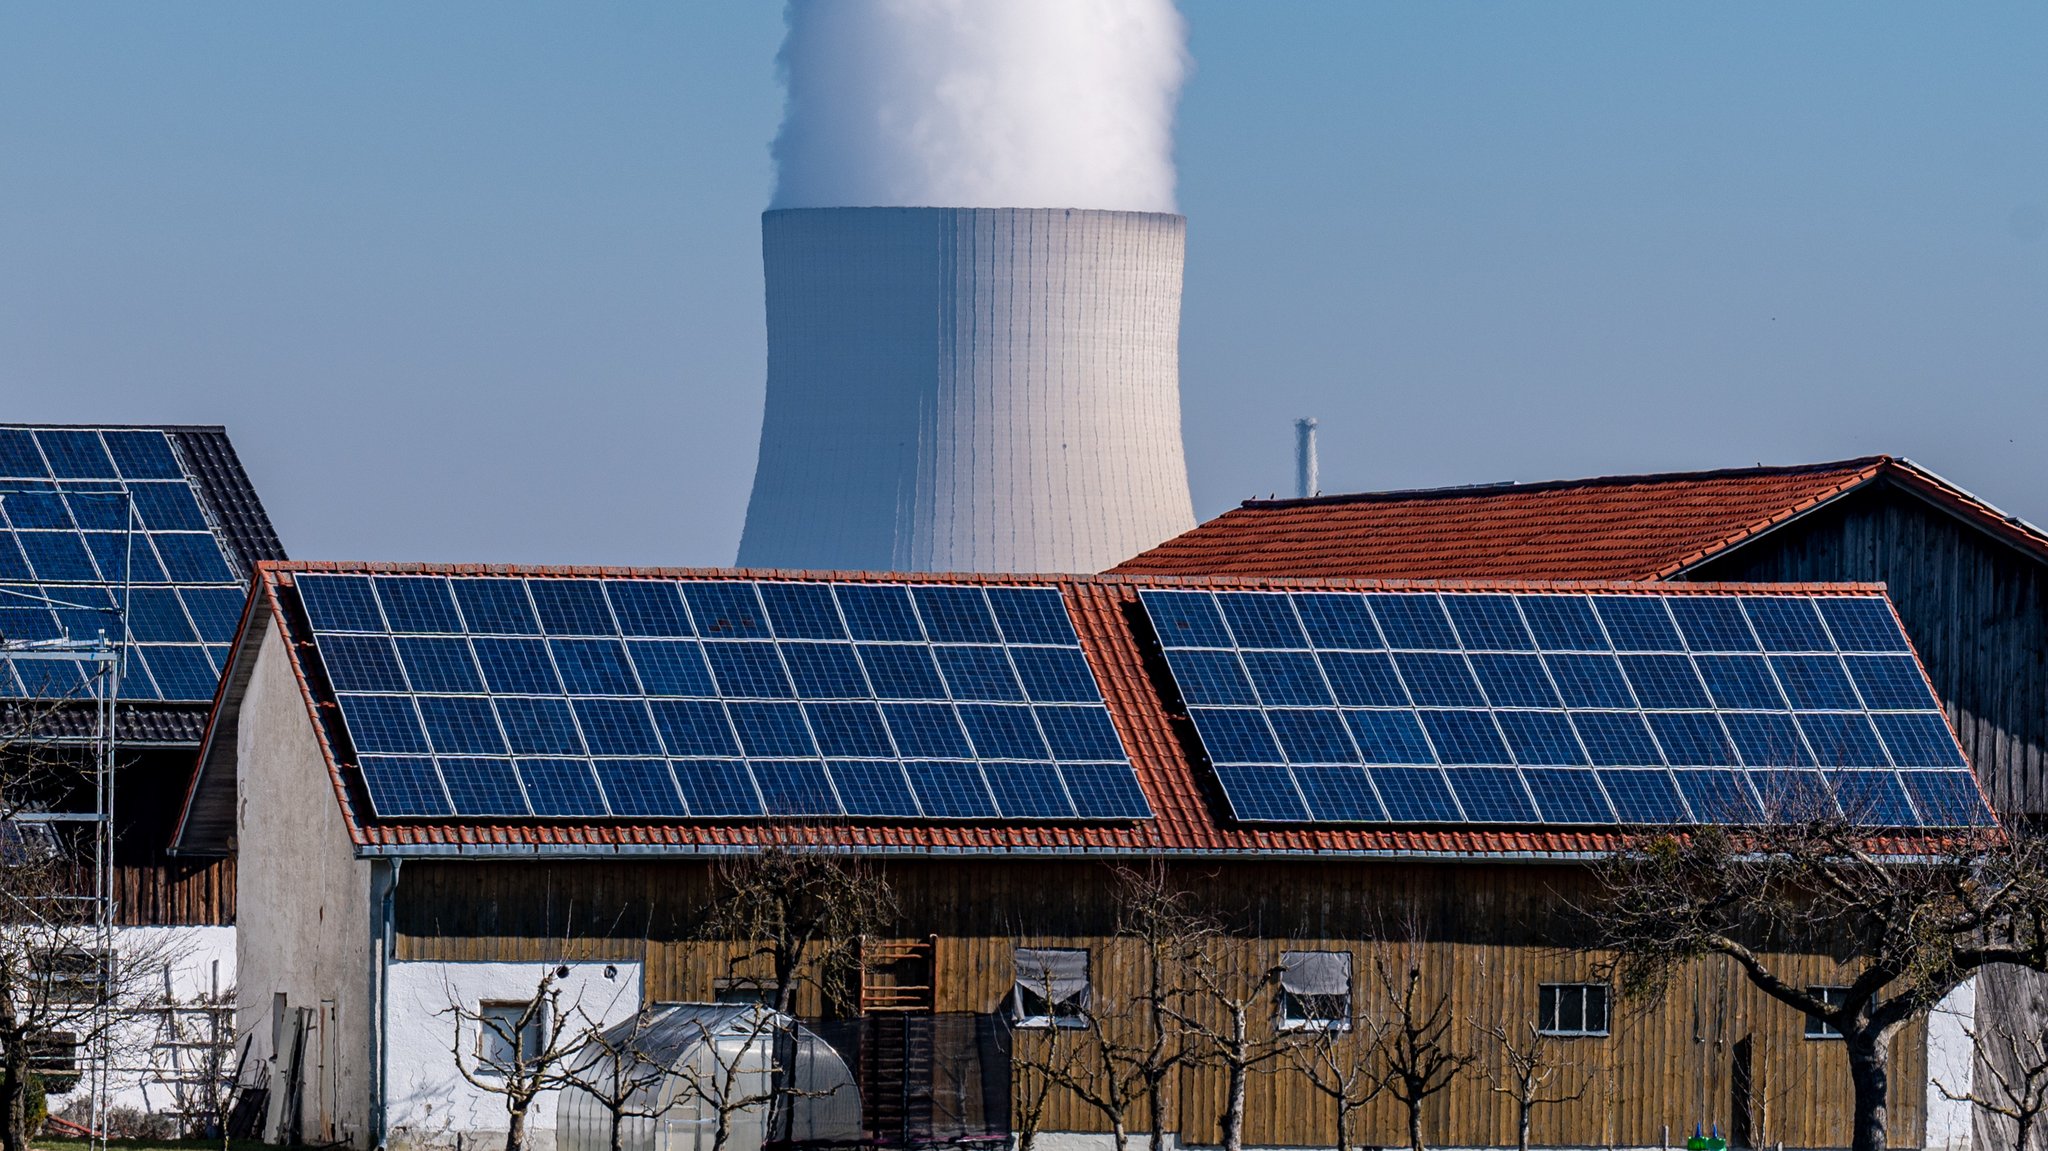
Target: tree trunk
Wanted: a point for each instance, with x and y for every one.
(1870, 1074)
(1415, 1126)
(1233, 1109)
(1155, 1113)
(13, 1113)
(1343, 1127)
(515, 1130)
(1121, 1133)
(1521, 1127)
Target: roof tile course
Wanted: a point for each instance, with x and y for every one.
(1645, 527)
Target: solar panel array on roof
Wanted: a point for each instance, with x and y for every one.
(1350, 707)
(86, 513)
(500, 697)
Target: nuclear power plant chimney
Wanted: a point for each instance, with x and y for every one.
(969, 389)
(1306, 482)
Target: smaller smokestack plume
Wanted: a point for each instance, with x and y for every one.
(1306, 483)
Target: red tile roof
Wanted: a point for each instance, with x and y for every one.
(1610, 528)
(1187, 814)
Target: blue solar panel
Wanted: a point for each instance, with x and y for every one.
(648, 608)
(639, 787)
(1740, 681)
(484, 787)
(434, 663)
(1464, 737)
(1360, 679)
(1231, 735)
(1261, 620)
(1491, 794)
(1947, 798)
(1664, 681)
(1262, 794)
(821, 671)
(1794, 795)
(802, 611)
(979, 673)
(1637, 623)
(1565, 795)
(1541, 737)
(417, 604)
(1386, 737)
(1589, 680)
(1786, 623)
(1287, 679)
(950, 790)
(878, 612)
(1719, 796)
(1692, 739)
(1312, 736)
(1643, 796)
(1890, 682)
(869, 787)
(1767, 739)
(1055, 675)
(1919, 739)
(1413, 621)
(1814, 681)
(1032, 615)
(1415, 794)
(1488, 622)
(1616, 738)
(1185, 619)
(1104, 791)
(1862, 623)
(1873, 798)
(1843, 740)
(1028, 790)
(955, 615)
(592, 666)
(1439, 679)
(561, 787)
(1514, 680)
(604, 675)
(795, 787)
(404, 786)
(1339, 795)
(1337, 621)
(1712, 623)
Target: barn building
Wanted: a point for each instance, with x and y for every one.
(163, 520)
(442, 781)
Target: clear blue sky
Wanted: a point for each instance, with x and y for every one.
(482, 281)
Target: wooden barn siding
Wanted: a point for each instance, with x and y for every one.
(176, 893)
(1489, 936)
(1973, 605)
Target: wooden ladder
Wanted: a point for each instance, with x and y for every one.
(897, 976)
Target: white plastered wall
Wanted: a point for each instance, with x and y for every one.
(431, 1104)
(200, 962)
(1951, 1055)
(303, 914)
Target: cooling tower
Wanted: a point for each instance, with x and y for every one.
(969, 389)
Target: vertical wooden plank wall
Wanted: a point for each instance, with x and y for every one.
(1486, 933)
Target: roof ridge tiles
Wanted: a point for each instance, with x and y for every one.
(1643, 479)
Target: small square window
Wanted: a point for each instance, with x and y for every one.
(503, 1041)
(1571, 1008)
(1315, 991)
(1051, 988)
(1818, 1028)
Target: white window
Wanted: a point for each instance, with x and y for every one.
(72, 975)
(1571, 1008)
(1051, 988)
(1315, 991)
(509, 1035)
(1818, 1028)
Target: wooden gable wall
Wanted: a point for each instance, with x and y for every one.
(1975, 607)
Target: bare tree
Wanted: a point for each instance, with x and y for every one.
(2018, 1088)
(1122, 1050)
(1527, 1074)
(518, 1056)
(1229, 1019)
(1339, 1064)
(62, 987)
(1042, 1066)
(1416, 1058)
(801, 913)
(751, 1065)
(614, 1068)
(1909, 920)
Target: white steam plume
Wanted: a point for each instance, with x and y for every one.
(980, 104)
